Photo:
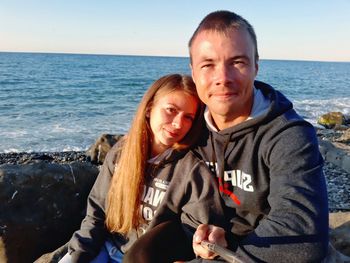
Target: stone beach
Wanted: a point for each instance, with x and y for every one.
(338, 186)
(52, 157)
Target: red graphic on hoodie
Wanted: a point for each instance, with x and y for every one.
(223, 189)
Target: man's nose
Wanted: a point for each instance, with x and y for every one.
(223, 74)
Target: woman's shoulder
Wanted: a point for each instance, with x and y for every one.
(194, 157)
(114, 153)
(180, 156)
(112, 156)
(190, 160)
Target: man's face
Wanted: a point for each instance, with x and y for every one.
(224, 69)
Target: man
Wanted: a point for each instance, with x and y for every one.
(266, 157)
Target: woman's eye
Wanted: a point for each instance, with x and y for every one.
(190, 118)
(170, 110)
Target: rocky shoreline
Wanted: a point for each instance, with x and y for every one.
(338, 180)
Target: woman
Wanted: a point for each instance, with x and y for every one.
(153, 153)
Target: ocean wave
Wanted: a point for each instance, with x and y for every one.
(311, 110)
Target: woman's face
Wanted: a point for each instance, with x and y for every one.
(171, 117)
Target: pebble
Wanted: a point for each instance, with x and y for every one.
(338, 187)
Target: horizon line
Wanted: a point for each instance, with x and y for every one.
(170, 56)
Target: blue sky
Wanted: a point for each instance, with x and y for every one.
(298, 29)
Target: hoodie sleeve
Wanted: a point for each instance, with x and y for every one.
(296, 227)
(86, 243)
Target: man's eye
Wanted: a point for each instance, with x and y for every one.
(206, 65)
(239, 62)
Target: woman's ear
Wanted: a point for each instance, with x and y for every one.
(148, 113)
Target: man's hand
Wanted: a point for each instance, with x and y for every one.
(211, 233)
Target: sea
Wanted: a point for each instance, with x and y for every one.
(64, 102)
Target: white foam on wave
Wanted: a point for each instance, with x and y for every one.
(311, 110)
(11, 150)
(74, 148)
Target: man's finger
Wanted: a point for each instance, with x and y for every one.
(203, 252)
(217, 235)
(201, 233)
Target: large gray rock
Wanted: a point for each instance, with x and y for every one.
(42, 204)
(336, 153)
(97, 152)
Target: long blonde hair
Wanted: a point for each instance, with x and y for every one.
(124, 196)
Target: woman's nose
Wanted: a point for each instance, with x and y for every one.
(177, 121)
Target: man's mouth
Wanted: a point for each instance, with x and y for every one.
(224, 95)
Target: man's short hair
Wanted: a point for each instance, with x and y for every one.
(224, 22)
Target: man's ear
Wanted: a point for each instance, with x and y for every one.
(256, 68)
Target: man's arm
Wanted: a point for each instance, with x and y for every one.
(296, 227)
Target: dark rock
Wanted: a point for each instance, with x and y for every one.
(41, 205)
(338, 127)
(97, 152)
(347, 119)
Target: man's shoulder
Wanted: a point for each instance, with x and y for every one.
(289, 119)
(262, 85)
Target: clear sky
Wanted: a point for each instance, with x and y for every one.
(294, 29)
